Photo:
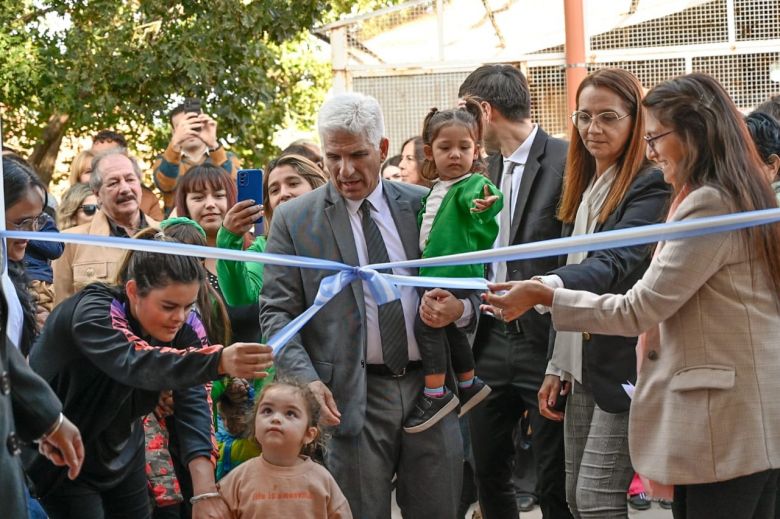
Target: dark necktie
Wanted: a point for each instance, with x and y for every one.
(392, 329)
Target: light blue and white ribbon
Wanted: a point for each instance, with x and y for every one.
(384, 287)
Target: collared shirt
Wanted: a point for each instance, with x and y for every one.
(195, 160)
(519, 157)
(395, 252)
(121, 232)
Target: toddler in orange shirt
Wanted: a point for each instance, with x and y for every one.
(284, 481)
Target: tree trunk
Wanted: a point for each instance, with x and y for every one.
(44, 156)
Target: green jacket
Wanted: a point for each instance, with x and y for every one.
(239, 281)
(457, 229)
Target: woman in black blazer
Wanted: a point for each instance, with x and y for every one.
(608, 185)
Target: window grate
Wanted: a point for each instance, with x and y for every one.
(706, 23)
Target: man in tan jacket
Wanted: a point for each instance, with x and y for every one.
(116, 181)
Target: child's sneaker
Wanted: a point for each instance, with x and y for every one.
(428, 411)
(473, 395)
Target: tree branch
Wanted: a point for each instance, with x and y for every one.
(38, 13)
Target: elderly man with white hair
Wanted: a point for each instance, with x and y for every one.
(361, 359)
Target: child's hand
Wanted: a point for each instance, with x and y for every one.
(483, 204)
(237, 390)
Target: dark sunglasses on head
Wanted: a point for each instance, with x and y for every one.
(89, 209)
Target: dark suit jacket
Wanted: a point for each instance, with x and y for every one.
(534, 219)
(332, 346)
(610, 360)
(28, 408)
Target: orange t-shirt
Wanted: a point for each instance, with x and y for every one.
(257, 489)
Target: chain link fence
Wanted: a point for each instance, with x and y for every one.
(414, 56)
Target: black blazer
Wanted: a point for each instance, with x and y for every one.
(610, 360)
(534, 220)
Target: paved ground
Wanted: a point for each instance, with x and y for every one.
(656, 512)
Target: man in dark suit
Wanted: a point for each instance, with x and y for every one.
(512, 356)
(361, 359)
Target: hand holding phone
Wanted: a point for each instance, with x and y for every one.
(241, 217)
(250, 187)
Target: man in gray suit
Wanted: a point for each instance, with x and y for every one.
(361, 360)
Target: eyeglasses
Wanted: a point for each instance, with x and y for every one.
(34, 223)
(583, 120)
(89, 209)
(651, 140)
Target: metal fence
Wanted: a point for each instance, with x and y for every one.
(415, 56)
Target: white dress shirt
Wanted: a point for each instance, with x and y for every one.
(519, 157)
(395, 252)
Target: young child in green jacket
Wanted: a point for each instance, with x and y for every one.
(458, 215)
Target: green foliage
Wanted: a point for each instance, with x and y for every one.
(110, 64)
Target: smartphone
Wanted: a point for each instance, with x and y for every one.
(192, 106)
(250, 187)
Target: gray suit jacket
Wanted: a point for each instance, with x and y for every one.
(705, 407)
(332, 346)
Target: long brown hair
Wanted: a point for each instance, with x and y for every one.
(580, 164)
(469, 116)
(719, 153)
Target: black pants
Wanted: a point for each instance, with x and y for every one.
(514, 369)
(433, 348)
(746, 497)
(129, 499)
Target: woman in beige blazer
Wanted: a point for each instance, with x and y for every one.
(705, 416)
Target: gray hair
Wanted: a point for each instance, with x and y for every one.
(96, 179)
(354, 113)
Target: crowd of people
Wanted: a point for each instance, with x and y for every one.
(138, 384)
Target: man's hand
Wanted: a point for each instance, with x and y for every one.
(246, 360)
(552, 389)
(208, 131)
(189, 126)
(329, 414)
(64, 447)
(484, 203)
(240, 218)
(438, 308)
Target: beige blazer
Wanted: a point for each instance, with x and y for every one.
(81, 265)
(707, 401)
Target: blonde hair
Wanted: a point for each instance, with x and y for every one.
(70, 204)
(79, 164)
